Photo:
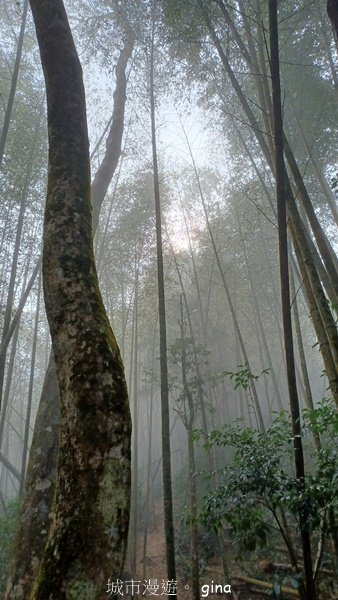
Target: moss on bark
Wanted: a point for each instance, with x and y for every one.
(87, 542)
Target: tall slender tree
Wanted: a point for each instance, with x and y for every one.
(165, 416)
(14, 82)
(281, 191)
(332, 11)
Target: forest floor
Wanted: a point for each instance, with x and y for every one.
(257, 567)
(153, 572)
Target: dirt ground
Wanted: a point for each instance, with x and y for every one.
(153, 578)
(154, 573)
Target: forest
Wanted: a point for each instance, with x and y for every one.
(169, 299)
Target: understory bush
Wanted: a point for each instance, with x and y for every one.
(255, 493)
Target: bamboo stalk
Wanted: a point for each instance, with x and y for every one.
(268, 586)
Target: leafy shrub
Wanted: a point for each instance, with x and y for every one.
(257, 486)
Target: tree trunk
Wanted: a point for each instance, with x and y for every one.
(327, 45)
(134, 487)
(189, 425)
(281, 193)
(9, 365)
(165, 417)
(93, 485)
(326, 251)
(35, 514)
(327, 191)
(37, 500)
(260, 322)
(17, 315)
(328, 256)
(30, 388)
(9, 107)
(194, 349)
(306, 252)
(149, 455)
(17, 244)
(301, 351)
(108, 165)
(332, 11)
(252, 387)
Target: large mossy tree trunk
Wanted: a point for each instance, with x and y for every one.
(86, 545)
(36, 512)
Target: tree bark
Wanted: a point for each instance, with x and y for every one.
(30, 387)
(165, 416)
(135, 439)
(36, 512)
(188, 421)
(323, 342)
(108, 165)
(332, 11)
(281, 192)
(14, 82)
(93, 485)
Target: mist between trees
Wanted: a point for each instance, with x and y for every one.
(169, 294)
